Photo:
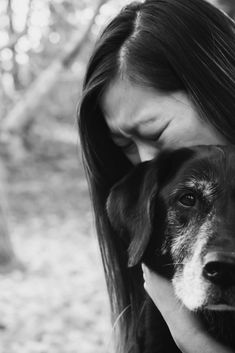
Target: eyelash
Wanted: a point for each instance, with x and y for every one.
(130, 145)
(154, 139)
(127, 147)
(158, 136)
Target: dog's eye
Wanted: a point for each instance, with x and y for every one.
(188, 200)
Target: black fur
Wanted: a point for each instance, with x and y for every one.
(138, 209)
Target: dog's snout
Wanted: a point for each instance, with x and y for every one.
(219, 268)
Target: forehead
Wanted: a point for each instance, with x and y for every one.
(125, 103)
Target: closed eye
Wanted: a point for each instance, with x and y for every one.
(126, 145)
(162, 131)
(153, 138)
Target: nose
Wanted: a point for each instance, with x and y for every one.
(146, 151)
(219, 268)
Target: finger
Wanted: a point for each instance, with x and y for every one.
(143, 267)
(146, 288)
(146, 270)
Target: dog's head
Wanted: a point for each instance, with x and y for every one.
(177, 214)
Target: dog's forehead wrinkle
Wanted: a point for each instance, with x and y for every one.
(203, 185)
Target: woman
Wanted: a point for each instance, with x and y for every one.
(162, 75)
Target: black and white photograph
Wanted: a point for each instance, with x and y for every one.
(117, 176)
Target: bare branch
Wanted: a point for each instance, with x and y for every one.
(22, 113)
(14, 38)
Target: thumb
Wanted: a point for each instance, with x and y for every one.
(159, 289)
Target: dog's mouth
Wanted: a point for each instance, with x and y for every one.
(205, 295)
(221, 304)
(220, 307)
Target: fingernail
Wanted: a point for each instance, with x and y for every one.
(145, 269)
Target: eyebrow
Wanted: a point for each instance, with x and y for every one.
(206, 186)
(131, 131)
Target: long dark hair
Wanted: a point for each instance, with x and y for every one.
(169, 45)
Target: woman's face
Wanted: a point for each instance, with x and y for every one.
(144, 121)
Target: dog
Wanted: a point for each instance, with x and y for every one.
(176, 214)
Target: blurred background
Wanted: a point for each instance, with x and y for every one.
(52, 290)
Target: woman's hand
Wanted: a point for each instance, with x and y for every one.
(185, 328)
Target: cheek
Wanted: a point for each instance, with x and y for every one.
(180, 234)
(190, 131)
(178, 135)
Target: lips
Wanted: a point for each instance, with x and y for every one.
(221, 305)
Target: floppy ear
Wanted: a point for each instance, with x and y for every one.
(129, 209)
(130, 202)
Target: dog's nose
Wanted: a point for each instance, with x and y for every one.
(219, 268)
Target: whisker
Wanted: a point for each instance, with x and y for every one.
(109, 341)
(119, 316)
(174, 263)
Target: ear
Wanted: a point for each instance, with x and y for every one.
(129, 207)
(131, 201)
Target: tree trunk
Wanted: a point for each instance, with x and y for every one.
(8, 259)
